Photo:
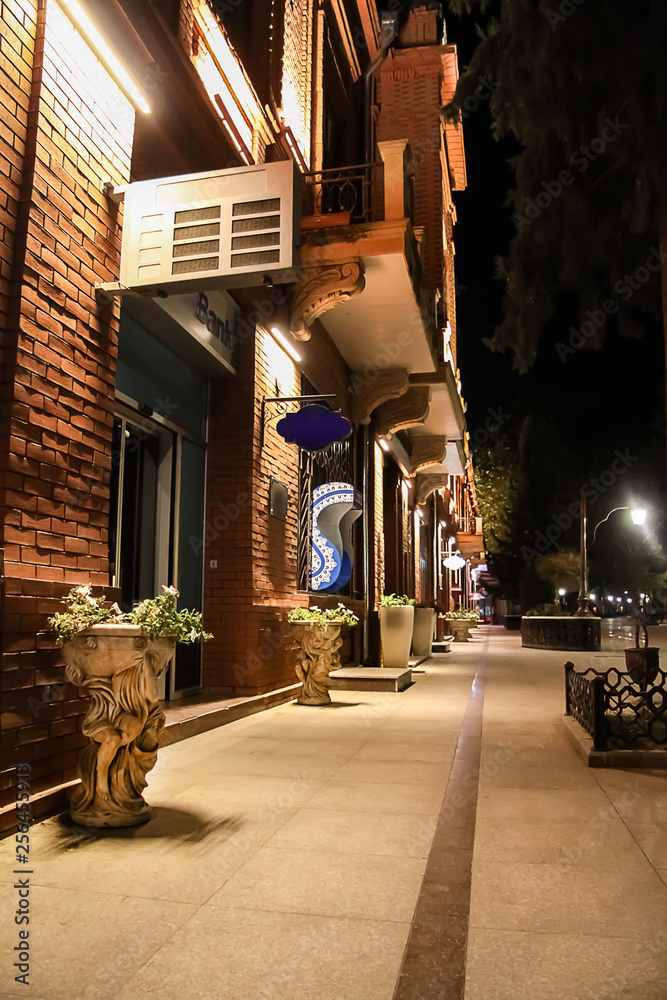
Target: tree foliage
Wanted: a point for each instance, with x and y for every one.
(582, 86)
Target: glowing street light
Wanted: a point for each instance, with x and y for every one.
(455, 561)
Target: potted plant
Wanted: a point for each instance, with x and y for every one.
(397, 615)
(318, 635)
(460, 622)
(119, 657)
(423, 630)
(642, 662)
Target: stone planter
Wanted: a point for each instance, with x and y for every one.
(120, 665)
(423, 631)
(560, 632)
(317, 657)
(396, 626)
(460, 627)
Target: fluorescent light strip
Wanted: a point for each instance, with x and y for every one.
(285, 344)
(104, 53)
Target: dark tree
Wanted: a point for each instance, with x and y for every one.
(582, 86)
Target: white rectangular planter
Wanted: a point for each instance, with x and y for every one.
(396, 625)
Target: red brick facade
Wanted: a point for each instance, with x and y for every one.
(58, 372)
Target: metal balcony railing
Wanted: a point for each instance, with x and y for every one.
(347, 190)
(469, 525)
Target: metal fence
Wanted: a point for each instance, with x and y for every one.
(344, 189)
(616, 710)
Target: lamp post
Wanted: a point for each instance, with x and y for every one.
(584, 607)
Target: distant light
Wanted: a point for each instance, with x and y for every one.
(625, 591)
(562, 591)
(115, 67)
(629, 600)
(638, 515)
(619, 600)
(285, 344)
(642, 596)
(383, 444)
(593, 597)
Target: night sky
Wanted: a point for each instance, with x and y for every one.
(602, 399)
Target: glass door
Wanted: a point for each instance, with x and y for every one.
(156, 525)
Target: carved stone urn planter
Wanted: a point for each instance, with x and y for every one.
(120, 666)
(396, 625)
(318, 655)
(460, 627)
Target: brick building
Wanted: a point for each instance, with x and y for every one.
(137, 446)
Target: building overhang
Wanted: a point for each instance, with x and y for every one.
(446, 418)
(389, 320)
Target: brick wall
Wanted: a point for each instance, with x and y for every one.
(58, 370)
(255, 580)
(408, 97)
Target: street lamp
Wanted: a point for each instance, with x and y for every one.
(584, 608)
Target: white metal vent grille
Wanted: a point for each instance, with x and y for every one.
(218, 229)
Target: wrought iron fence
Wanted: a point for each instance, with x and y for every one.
(617, 710)
(344, 189)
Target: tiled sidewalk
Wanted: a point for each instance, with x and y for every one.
(288, 857)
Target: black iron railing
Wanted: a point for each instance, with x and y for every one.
(616, 710)
(346, 189)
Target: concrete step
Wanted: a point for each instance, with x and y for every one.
(370, 679)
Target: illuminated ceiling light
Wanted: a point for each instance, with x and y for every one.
(285, 344)
(384, 444)
(104, 53)
(638, 515)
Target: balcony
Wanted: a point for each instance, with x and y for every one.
(359, 218)
(469, 537)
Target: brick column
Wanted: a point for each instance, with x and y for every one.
(72, 132)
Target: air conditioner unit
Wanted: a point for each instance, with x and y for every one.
(219, 229)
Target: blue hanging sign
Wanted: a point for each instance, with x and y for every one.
(314, 427)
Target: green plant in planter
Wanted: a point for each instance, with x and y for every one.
(395, 600)
(340, 615)
(463, 614)
(156, 616)
(547, 611)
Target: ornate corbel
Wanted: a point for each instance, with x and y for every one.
(409, 410)
(370, 391)
(320, 289)
(429, 483)
(426, 451)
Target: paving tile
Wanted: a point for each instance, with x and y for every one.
(506, 965)
(377, 797)
(602, 841)
(330, 884)
(352, 832)
(375, 749)
(567, 899)
(88, 944)
(262, 955)
(534, 805)
(397, 772)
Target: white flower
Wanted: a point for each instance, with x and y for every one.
(193, 635)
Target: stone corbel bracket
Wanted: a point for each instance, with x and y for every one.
(427, 484)
(410, 410)
(427, 451)
(369, 392)
(320, 289)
